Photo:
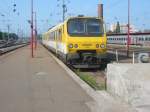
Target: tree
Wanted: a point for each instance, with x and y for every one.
(117, 28)
(12, 36)
(1, 35)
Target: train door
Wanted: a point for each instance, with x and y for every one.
(56, 42)
(59, 40)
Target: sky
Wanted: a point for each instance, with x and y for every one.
(49, 13)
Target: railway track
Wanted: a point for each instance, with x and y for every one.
(4, 50)
(118, 53)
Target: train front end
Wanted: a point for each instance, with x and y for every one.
(86, 43)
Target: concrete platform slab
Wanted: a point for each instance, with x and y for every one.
(130, 82)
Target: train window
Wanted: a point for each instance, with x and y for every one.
(55, 35)
(76, 27)
(94, 27)
(85, 27)
(60, 34)
(63, 29)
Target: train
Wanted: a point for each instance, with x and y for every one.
(78, 41)
(142, 39)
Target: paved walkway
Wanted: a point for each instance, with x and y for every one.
(38, 85)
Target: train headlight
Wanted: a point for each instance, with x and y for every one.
(70, 45)
(97, 45)
(76, 45)
(102, 46)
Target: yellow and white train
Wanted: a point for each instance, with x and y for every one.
(78, 41)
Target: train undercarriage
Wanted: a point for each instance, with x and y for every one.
(86, 59)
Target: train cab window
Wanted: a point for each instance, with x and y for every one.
(85, 27)
(76, 27)
(94, 27)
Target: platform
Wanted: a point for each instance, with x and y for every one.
(44, 84)
(38, 84)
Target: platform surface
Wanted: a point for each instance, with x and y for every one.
(38, 84)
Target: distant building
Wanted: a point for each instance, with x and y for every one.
(123, 28)
(147, 31)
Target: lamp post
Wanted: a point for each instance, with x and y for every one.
(64, 6)
(32, 36)
(64, 9)
(128, 39)
(3, 23)
(35, 30)
(8, 26)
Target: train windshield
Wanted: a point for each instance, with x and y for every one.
(85, 27)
